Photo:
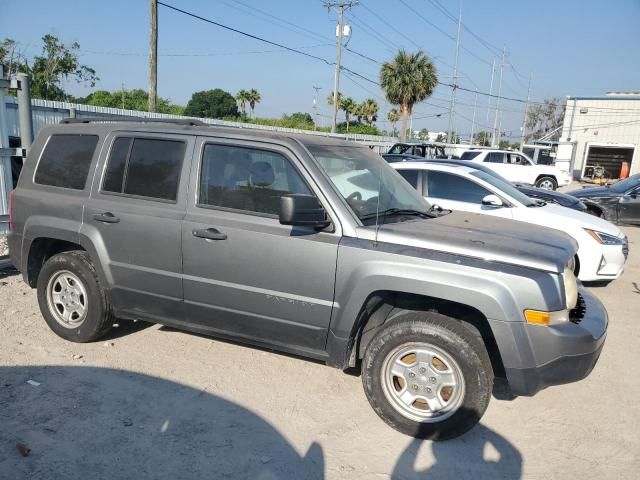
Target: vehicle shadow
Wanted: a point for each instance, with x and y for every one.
(85, 422)
(479, 454)
(122, 328)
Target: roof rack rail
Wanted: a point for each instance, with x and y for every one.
(176, 121)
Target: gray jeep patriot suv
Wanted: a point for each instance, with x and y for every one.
(276, 240)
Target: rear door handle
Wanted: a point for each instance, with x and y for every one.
(209, 234)
(106, 217)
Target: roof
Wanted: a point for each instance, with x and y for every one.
(623, 96)
(442, 166)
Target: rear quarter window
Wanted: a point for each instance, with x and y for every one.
(66, 160)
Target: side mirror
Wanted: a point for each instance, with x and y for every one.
(302, 210)
(492, 201)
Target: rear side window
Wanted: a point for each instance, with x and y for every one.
(144, 167)
(66, 160)
(469, 155)
(494, 157)
(410, 176)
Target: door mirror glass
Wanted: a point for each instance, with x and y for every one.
(492, 201)
(302, 210)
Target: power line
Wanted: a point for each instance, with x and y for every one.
(390, 26)
(205, 54)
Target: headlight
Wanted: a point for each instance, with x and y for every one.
(570, 287)
(604, 238)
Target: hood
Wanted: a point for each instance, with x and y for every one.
(548, 195)
(485, 237)
(566, 218)
(591, 192)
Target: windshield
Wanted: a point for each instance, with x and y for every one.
(366, 181)
(400, 148)
(626, 184)
(504, 186)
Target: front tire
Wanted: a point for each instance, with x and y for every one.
(71, 299)
(547, 183)
(427, 375)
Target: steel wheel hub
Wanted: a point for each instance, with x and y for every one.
(422, 382)
(67, 299)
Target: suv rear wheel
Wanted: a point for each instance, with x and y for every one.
(428, 375)
(71, 300)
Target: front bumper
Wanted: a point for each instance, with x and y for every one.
(605, 262)
(563, 353)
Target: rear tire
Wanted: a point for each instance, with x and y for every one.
(71, 299)
(439, 398)
(547, 183)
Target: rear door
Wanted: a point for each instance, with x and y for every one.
(496, 162)
(629, 207)
(519, 169)
(134, 216)
(245, 274)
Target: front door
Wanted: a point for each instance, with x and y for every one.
(245, 274)
(629, 207)
(135, 213)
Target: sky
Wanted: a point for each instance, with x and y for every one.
(569, 47)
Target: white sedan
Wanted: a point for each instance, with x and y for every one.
(516, 167)
(602, 246)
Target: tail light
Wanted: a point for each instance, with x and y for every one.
(11, 210)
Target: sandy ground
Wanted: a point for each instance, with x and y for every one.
(150, 402)
(4, 249)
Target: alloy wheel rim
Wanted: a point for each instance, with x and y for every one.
(67, 299)
(546, 185)
(422, 382)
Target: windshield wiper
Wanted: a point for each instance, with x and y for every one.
(397, 211)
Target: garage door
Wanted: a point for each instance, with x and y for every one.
(609, 158)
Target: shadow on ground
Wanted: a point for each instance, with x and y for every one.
(84, 422)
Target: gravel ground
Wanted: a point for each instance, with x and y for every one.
(4, 249)
(151, 402)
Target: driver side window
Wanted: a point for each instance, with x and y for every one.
(494, 157)
(448, 186)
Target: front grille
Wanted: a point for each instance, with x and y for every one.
(625, 248)
(577, 313)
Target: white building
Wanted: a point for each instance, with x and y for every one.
(602, 131)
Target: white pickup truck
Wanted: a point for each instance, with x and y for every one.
(518, 168)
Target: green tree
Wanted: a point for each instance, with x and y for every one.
(349, 107)
(406, 80)
(330, 99)
(56, 62)
(136, 99)
(441, 138)
(243, 98)
(482, 138)
(253, 98)
(369, 110)
(504, 144)
(423, 134)
(393, 116)
(544, 118)
(212, 104)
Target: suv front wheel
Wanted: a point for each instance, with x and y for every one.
(71, 300)
(428, 375)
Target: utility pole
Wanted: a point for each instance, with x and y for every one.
(493, 69)
(495, 134)
(473, 122)
(315, 106)
(153, 57)
(452, 102)
(336, 81)
(526, 109)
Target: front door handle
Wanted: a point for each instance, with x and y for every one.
(209, 234)
(106, 217)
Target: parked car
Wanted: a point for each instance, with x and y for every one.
(272, 239)
(402, 152)
(548, 196)
(518, 168)
(618, 203)
(603, 248)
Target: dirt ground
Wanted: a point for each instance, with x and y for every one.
(150, 402)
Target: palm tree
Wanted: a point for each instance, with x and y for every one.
(254, 97)
(406, 80)
(349, 107)
(369, 110)
(243, 97)
(330, 99)
(393, 116)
